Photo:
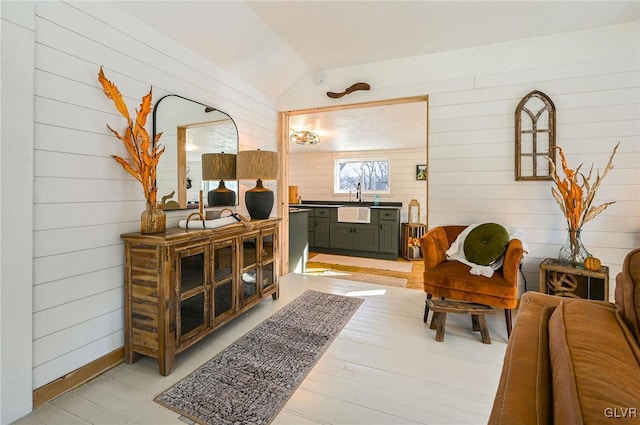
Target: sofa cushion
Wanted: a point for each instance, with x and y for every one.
(594, 364)
(486, 243)
(628, 292)
(524, 393)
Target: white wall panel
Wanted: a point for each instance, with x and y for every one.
(16, 213)
(57, 292)
(75, 359)
(80, 238)
(60, 343)
(61, 266)
(83, 199)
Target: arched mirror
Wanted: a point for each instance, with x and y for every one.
(190, 129)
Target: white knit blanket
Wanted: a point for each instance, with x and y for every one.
(456, 251)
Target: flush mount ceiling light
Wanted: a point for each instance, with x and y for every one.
(304, 137)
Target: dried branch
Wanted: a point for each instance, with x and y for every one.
(575, 199)
(144, 154)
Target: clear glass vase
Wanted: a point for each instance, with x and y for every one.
(573, 252)
(153, 219)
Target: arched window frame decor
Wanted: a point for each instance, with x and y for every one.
(536, 129)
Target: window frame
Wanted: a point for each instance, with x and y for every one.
(548, 127)
(336, 175)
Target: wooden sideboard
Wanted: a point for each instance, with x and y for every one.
(184, 284)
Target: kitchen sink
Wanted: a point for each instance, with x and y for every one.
(354, 214)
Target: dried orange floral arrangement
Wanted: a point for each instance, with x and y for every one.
(144, 154)
(575, 197)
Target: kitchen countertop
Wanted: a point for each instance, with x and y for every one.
(330, 204)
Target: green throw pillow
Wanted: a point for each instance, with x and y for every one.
(486, 243)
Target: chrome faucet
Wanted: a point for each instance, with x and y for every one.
(359, 192)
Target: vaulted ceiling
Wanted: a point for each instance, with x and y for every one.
(274, 44)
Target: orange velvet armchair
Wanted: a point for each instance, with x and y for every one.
(451, 279)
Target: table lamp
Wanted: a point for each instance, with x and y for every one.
(219, 166)
(260, 165)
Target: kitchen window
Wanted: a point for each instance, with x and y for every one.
(373, 175)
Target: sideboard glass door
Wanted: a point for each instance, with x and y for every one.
(192, 291)
(268, 278)
(224, 293)
(249, 269)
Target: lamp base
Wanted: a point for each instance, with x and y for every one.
(259, 201)
(221, 196)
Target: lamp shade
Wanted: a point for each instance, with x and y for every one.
(218, 166)
(257, 164)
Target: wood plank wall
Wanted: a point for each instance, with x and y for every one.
(83, 200)
(593, 77)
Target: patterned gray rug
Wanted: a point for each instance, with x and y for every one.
(249, 381)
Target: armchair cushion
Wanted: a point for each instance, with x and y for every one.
(452, 280)
(486, 243)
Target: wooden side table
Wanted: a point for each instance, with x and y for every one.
(412, 230)
(574, 282)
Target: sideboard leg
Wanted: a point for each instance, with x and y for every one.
(166, 364)
(131, 356)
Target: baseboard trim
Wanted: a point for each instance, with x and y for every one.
(76, 378)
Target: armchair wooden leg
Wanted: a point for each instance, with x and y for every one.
(507, 318)
(426, 308)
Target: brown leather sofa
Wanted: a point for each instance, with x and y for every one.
(451, 279)
(572, 361)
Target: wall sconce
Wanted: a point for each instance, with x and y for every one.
(219, 166)
(260, 165)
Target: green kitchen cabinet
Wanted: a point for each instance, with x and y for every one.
(318, 227)
(341, 235)
(365, 237)
(388, 236)
(361, 237)
(380, 238)
(321, 232)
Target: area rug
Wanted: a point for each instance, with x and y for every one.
(369, 263)
(249, 381)
(364, 277)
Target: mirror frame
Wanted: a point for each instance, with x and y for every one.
(181, 152)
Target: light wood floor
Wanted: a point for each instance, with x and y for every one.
(414, 278)
(384, 368)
